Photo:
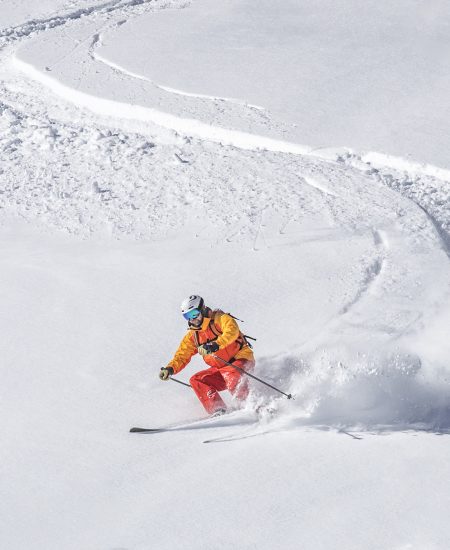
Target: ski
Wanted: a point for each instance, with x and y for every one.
(136, 430)
(170, 428)
(264, 415)
(236, 437)
(229, 419)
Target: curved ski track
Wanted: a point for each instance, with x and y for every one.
(255, 185)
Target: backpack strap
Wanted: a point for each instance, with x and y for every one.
(197, 343)
(212, 325)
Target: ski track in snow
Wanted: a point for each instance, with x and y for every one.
(92, 176)
(431, 195)
(372, 273)
(147, 184)
(121, 188)
(313, 183)
(97, 41)
(39, 25)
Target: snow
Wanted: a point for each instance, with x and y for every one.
(133, 174)
(319, 76)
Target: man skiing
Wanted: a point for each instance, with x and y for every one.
(215, 335)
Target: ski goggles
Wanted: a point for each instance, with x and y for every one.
(190, 315)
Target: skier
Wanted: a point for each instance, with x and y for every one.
(212, 333)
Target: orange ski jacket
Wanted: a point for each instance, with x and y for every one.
(218, 327)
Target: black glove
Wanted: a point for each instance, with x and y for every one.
(165, 372)
(206, 349)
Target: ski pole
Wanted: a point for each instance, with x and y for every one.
(180, 382)
(288, 395)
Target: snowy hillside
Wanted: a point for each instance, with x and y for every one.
(154, 149)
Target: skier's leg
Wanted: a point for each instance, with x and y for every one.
(236, 382)
(207, 384)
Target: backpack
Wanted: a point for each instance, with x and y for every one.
(245, 337)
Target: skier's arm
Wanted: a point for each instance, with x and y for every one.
(186, 350)
(230, 331)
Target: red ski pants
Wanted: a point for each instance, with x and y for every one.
(208, 383)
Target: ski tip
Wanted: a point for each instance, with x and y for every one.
(147, 430)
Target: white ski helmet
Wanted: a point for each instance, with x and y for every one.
(191, 303)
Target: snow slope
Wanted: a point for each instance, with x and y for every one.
(328, 75)
(16, 13)
(110, 214)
